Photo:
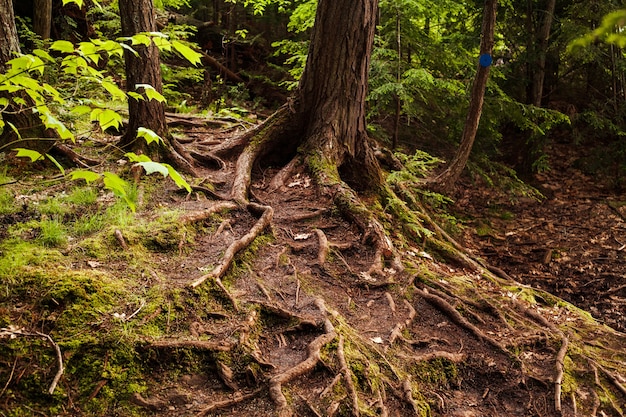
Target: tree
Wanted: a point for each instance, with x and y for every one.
(324, 123)
(9, 42)
(42, 19)
(143, 79)
(449, 176)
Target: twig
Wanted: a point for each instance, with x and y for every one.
(10, 378)
(59, 373)
(347, 377)
(558, 379)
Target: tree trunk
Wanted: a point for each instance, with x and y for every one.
(541, 49)
(42, 20)
(27, 122)
(138, 16)
(9, 42)
(450, 175)
(333, 88)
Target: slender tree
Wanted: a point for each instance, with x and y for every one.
(42, 19)
(451, 174)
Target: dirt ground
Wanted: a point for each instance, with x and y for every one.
(299, 327)
(572, 244)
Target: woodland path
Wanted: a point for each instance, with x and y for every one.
(572, 244)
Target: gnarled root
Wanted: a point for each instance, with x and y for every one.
(307, 365)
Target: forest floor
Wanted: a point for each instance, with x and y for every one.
(296, 326)
(572, 243)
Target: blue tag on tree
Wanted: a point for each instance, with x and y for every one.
(485, 60)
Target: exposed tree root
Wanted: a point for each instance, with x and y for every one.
(456, 317)
(324, 248)
(239, 245)
(237, 399)
(220, 346)
(201, 215)
(438, 354)
(307, 365)
(347, 377)
(558, 378)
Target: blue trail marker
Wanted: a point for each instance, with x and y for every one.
(485, 60)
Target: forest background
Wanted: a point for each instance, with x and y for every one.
(557, 76)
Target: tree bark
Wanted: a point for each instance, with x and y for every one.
(451, 174)
(42, 18)
(137, 16)
(541, 49)
(9, 42)
(333, 88)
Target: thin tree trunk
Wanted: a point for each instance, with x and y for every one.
(42, 20)
(450, 175)
(541, 44)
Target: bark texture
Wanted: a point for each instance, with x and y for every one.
(333, 88)
(42, 20)
(138, 16)
(9, 42)
(540, 47)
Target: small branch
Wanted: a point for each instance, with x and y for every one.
(558, 378)
(347, 377)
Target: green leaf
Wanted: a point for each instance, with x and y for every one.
(118, 187)
(141, 39)
(152, 167)
(4, 101)
(52, 122)
(79, 3)
(55, 162)
(88, 176)
(135, 95)
(133, 157)
(106, 118)
(189, 54)
(28, 153)
(43, 54)
(177, 178)
(114, 90)
(151, 93)
(80, 110)
(90, 51)
(149, 136)
(62, 46)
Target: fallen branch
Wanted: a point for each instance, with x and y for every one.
(197, 216)
(347, 377)
(313, 358)
(238, 245)
(558, 378)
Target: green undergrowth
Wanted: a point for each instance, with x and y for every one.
(64, 274)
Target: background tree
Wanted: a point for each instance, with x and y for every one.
(9, 42)
(452, 172)
(42, 18)
(143, 75)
